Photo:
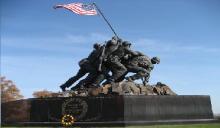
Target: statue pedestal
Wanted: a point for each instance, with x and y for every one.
(108, 110)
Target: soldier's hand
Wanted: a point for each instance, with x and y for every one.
(126, 57)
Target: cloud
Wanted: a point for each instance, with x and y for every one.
(201, 48)
(93, 37)
(69, 43)
(65, 43)
(171, 47)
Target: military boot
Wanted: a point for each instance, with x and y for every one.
(63, 87)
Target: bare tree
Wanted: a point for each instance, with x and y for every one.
(42, 94)
(9, 91)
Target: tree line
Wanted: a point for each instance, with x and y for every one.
(10, 92)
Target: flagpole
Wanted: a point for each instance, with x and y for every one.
(105, 19)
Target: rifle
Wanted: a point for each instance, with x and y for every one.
(101, 58)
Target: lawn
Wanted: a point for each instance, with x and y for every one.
(211, 125)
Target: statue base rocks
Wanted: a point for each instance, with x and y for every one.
(119, 88)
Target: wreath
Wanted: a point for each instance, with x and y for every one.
(67, 120)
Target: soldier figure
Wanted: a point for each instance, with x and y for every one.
(114, 61)
(141, 65)
(87, 65)
(97, 77)
(107, 49)
(112, 45)
(114, 53)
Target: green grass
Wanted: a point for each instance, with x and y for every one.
(211, 125)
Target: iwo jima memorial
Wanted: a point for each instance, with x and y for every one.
(109, 95)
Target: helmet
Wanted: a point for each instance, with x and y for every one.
(158, 83)
(126, 43)
(155, 60)
(114, 38)
(96, 46)
(83, 61)
(119, 40)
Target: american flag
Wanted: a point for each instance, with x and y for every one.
(79, 8)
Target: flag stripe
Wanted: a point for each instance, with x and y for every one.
(81, 10)
(75, 9)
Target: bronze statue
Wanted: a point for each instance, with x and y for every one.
(114, 56)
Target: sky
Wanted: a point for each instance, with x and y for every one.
(41, 46)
